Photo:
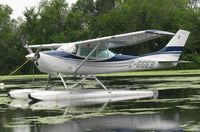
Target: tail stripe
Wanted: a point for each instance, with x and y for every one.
(172, 51)
(172, 48)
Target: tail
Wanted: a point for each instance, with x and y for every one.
(172, 51)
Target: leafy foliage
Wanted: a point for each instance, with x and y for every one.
(54, 21)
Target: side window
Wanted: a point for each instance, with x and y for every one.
(86, 52)
(103, 53)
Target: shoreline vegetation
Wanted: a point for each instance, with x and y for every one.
(194, 72)
(54, 21)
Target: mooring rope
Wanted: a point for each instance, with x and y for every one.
(14, 71)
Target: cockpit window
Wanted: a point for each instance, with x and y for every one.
(98, 54)
(86, 52)
(103, 53)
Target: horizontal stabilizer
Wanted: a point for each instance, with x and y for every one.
(175, 62)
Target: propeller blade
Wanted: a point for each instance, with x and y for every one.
(33, 79)
(25, 44)
(28, 48)
(38, 49)
(37, 55)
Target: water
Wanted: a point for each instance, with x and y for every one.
(177, 108)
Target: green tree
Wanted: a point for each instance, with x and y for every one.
(11, 53)
(47, 24)
(84, 6)
(53, 21)
(104, 6)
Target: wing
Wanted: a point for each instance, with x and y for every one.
(114, 41)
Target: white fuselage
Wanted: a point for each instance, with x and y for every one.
(52, 65)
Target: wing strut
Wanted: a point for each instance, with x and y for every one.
(75, 71)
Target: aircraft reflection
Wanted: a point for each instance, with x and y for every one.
(118, 123)
(20, 103)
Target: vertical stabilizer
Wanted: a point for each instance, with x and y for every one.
(172, 51)
(179, 39)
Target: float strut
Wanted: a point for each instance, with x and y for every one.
(100, 83)
(48, 81)
(82, 80)
(63, 81)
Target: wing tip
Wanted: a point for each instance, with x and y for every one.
(159, 32)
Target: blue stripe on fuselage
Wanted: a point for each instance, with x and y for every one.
(119, 57)
(62, 54)
(116, 57)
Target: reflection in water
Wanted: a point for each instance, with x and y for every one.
(19, 103)
(112, 123)
(176, 109)
(24, 128)
(118, 123)
(107, 122)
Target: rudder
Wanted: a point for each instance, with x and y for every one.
(173, 50)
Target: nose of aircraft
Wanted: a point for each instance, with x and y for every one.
(30, 56)
(33, 56)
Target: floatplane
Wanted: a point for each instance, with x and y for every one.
(90, 57)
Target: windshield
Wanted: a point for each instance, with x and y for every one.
(100, 53)
(104, 53)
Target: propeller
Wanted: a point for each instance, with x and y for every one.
(33, 56)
